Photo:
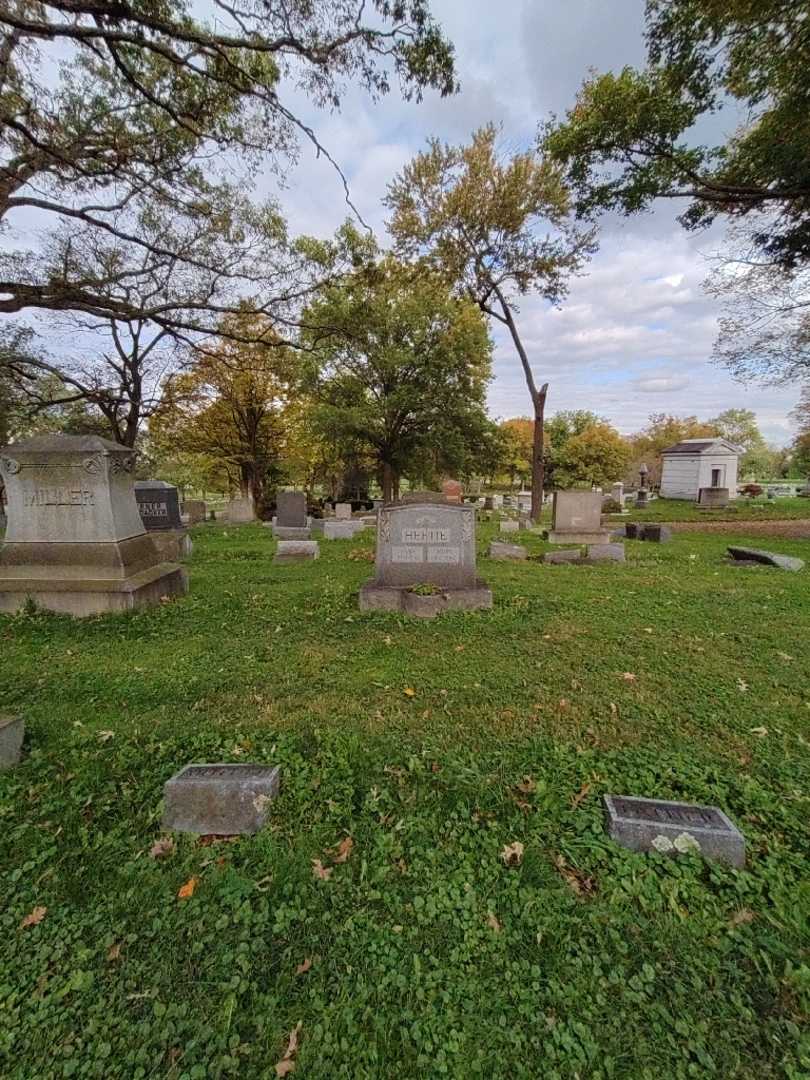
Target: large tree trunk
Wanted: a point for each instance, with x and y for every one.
(387, 483)
(538, 465)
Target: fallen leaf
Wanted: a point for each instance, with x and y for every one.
(493, 923)
(760, 731)
(114, 952)
(581, 885)
(581, 794)
(319, 871)
(409, 691)
(162, 847)
(512, 854)
(207, 839)
(187, 891)
(784, 656)
(564, 703)
(34, 917)
(304, 967)
(459, 648)
(287, 1064)
(741, 917)
(344, 850)
(527, 785)
(628, 676)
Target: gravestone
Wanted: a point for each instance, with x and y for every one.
(577, 518)
(343, 511)
(604, 553)
(341, 530)
(452, 491)
(425, 544)
(499, 550)
(241, 511)
(567, 555)
(489, 502)
(509, 525)
(291, 521)
(672, 827)
(617, 493)
(75, 541)
(642, 499)
(713, 498)
(766, 558)
(296, 551)
(220, 799)
(195, 510)
(159, 507)
(417, 498)
(12, 730)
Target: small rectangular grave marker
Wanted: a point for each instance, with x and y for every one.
(220, 799)
(12, 729)
(662, 825)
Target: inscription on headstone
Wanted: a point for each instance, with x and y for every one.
(158, 504)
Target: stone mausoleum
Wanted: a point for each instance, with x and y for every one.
(696, 464)
(75, 541)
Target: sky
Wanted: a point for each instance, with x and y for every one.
(635, 334)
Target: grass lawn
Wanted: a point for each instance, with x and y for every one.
(740, 509)
(433, 745)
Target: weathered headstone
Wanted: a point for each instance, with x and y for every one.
(673, 827)
(341, 530)
(12, 730)
(425, 545)
(296, 551)
(452, 491)
(713, 498)
(577, 518)
(566, 555)
(499, 550)
(195, 510)
(617, 492)
(642, 499)
(509, 525)
(75, 541)
(604, 553)
(766, 558)
(241, 511)
(343, 511)
(220, 799)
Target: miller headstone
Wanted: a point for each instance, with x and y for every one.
(75, 542)
(220, 799)
(425, 544)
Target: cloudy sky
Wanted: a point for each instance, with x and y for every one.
(635, 334)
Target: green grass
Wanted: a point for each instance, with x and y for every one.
(429, 956)
(740, 509)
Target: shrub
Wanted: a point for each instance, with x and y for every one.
(753, 491)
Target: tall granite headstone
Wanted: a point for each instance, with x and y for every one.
(75, 541)
(291, 521)
(577, 518)
(425, 544)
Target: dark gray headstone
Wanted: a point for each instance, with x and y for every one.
(220, 799)
(657, 534)
(12, 730)
(673, 827)
(291, 510)
(158, 505)
(767, 558)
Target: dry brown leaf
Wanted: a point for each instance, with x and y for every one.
(628, 676)
(343, 849)
(493, 923)
(319, 871)
(741, 917)
(564, 703)
(760, 731)
(581, 885)
(187, 890)
(581, 794)
(527, 785)
(287, 1063)
(512, 854)
(114, 952)
(409, 691)
(34, 917)
(304, 967)
(162, 847)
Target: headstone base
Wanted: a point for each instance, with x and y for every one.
(173, 545)
(499, 550)
(81, 597)
(601, 537)
(390, 598)
(220, 799)
(296, 551)
(287, 532)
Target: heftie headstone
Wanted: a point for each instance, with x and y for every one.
(12, 730)
(673, 827)
(577, 518)
(75, 542)
(220, 799)
(425, 544)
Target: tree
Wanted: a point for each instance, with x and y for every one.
(626, 141)
(597, 454)
(517, 447)
(800, 416)
(112, 114)
(400, 368)
(230, 408)
(477, 218)
(560, 428)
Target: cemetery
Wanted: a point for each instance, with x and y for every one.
(404, 551)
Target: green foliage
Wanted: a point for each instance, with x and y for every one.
(665, 967)
(627, 140)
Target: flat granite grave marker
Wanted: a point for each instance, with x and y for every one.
(664, 826)
(499, 550)
(765, 558)
(12, 730)
(75, 541)
(220, 799)
(577, 518)
(296, 551)
(425, 544)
